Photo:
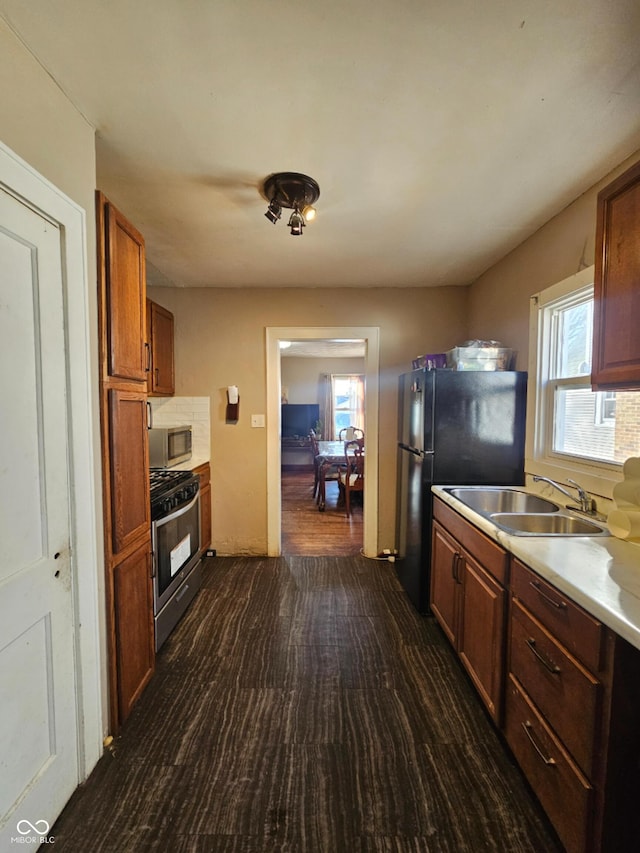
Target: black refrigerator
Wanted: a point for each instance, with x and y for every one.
(456, 427)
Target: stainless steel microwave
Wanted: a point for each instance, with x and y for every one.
(169, 446)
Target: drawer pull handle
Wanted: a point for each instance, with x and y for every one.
(528, 730)
(560, 605)
(546, 663)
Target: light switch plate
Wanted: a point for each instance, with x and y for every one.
(257, 420)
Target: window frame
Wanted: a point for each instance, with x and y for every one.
(358, 419)
(598, 477)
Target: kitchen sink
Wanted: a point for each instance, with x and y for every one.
(487, 500)
(535, 524)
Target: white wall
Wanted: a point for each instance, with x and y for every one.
(42, 127)
(499, 299)
(301, 377)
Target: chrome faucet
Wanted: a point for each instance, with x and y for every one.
(586, 501)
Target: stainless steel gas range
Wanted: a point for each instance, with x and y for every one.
(175, 539)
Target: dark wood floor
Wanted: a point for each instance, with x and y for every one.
(307, 532)
(303, 706)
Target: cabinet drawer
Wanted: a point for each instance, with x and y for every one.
(561, 688)
(563, 791)
(574, 627)
(494, 558)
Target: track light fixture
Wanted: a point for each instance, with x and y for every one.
(274, 212)
(294, 191)
(296, 223)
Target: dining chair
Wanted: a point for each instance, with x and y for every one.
(328, 471)
(351, 475)
(349, 433)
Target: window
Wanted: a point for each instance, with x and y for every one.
(348, 401)
(575, 427)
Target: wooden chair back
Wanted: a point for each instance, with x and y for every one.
(349, 433)
(352, 475)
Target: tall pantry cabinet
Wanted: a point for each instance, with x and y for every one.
(124, 364)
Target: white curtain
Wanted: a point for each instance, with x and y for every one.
(326, 406)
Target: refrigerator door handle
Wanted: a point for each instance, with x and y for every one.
(413, 450)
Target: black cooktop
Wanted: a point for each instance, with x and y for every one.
(164, 479)
(170, 490)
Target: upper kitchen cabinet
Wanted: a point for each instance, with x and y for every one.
(161, 381)
(616, 340)
(122, 260)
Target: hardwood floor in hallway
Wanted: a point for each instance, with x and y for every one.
(303, 706)
(307, 532)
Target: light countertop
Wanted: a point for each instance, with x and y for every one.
(190, 464)
(602, 574)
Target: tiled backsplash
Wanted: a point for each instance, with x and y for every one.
(174, 411)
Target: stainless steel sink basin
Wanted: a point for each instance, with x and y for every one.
(488, 500)
(558, 524)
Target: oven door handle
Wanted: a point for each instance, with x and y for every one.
(181, 511)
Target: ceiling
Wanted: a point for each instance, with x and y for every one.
(442, 133)
(324, 349)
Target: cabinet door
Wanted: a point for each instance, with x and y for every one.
(205, 518)
(160, 325)
(481, 640)
(125, 304)
(445, 567)
(133, 621)
(204, 472)
(129, 468)
(616, 342)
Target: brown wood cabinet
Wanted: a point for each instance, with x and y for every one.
(161, 377)
(616, 341)
(204, 472)
(124, 357)
(133, 618)
(123, 301)
(468, 598)
(128, 472)
(572, 706)
(572, 692)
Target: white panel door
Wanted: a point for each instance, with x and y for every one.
(38, 716)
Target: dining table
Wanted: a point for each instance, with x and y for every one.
(329, 453)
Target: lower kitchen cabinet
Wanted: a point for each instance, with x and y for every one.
(133, 640)
(571, 718)
(468, 598)
(563, 790)
(204, 472)
(563, 688)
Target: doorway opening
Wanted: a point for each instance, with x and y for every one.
(322, 401)
(275, 336)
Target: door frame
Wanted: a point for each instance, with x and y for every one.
(22, 181)
(371, 336)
